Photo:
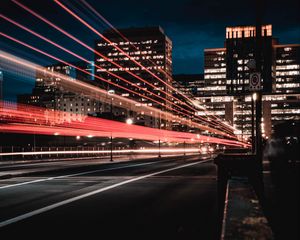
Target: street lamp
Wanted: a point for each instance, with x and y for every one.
(129, 121)
(254, 96)
(111, 92)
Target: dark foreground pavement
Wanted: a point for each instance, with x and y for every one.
(166, 199)
(282, 201)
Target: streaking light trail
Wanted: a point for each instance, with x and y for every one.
(75, 85)
(36, 120)
(100, 78)
(98, 15)
(99, 54)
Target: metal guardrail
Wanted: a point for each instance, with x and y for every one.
(18, 153)
(23, 153)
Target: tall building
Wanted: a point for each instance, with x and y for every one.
(226, 70)
(152, 49)
(240, 48)
(214, 72)
(287, 68)
(226, 78)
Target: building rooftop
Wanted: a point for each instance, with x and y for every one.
(133, 31)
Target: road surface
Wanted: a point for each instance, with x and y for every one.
(171, 198)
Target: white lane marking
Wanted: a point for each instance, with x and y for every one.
(76, 174)
(70, 200)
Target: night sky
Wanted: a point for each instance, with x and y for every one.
(192, 25)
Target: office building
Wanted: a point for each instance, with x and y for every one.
(240, 48)
(226, 80)
(152, 49)
(214, 72)
(287, 68)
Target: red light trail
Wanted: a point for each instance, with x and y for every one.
(225, 127)
(132, 59)
(31, 121)
(82, 86)
(83, 59)
(82, 70)
(126, 39)
(117, 31)
(35, 120)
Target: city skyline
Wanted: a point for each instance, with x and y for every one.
(188, 52)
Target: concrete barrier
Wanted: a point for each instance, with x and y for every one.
(243, 216)
(238, 166)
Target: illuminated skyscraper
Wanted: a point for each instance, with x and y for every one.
(153, 50)
(214, 72)
(287, 68)
(240, 48)
(226, 79)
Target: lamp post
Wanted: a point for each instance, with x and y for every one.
(258, 103)
(253, 102)
(129, 121)
(159, 155)
(111, 93)
(258, 60)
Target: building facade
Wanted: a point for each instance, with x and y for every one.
(226, 80)
(50, 93)
(214, 72)
(287, 68)
(153, 50)
(240, 48)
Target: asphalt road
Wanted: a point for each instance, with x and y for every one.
(150, 199)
